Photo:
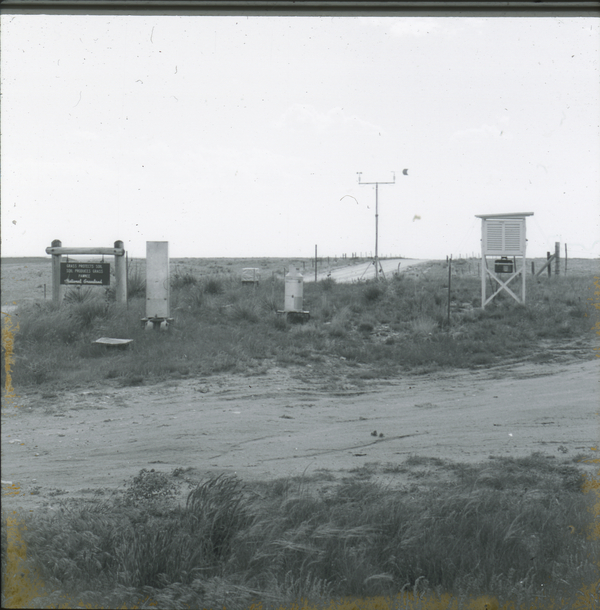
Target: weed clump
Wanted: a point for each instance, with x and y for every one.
(149, 485)
(214, 286)
(182, 280)
(373, 292)
(136, 282)
(79, 294)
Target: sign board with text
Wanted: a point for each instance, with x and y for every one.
(85, 274)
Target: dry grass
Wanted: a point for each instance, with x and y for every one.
(388, 326)
(511, 529)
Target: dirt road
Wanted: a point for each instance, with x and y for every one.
(281, 424)
(366, 270)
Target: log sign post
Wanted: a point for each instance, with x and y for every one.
(87, 274)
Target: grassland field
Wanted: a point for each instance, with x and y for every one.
(382, 446)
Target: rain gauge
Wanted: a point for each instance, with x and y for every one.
(294, 296)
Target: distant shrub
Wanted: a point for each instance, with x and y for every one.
(327, 284)
(45, 323)
(423, 325)
(85, 314)
(269, 303)
(214, 286)
(342, 317)
(244, 311)
(337, 329)
(223, 362)
(181, 280)
(365, 326)
(131, 380)
(373, 292)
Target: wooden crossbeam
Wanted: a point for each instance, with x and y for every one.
(546, 264)
(86, 251)
(504, 285)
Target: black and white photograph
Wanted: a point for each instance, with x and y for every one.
(300, 305)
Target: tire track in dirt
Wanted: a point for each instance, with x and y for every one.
(73, 443)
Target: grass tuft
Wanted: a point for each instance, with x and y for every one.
(136, 281)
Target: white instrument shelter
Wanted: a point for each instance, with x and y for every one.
(503, 235)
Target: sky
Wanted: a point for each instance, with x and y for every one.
(243, 136)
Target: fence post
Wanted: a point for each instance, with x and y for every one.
(120, 276)
(549, 266)
(565, 259)
(56, 260)
(557, 258)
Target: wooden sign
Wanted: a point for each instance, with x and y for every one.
(85, 274)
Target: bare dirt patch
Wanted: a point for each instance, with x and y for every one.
(75, 443)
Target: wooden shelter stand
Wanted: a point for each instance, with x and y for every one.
(503, 235)
(502, 285)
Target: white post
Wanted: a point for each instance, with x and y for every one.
(157, 279)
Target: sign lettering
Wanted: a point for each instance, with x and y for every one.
(85, 274)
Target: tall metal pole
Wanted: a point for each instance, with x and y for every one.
(376, 231)
(449, 286)
(376, 260)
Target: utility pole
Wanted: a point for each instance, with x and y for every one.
(376, 260)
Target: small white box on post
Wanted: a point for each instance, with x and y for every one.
(158, 287)
(503, 235)
(250, 275)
